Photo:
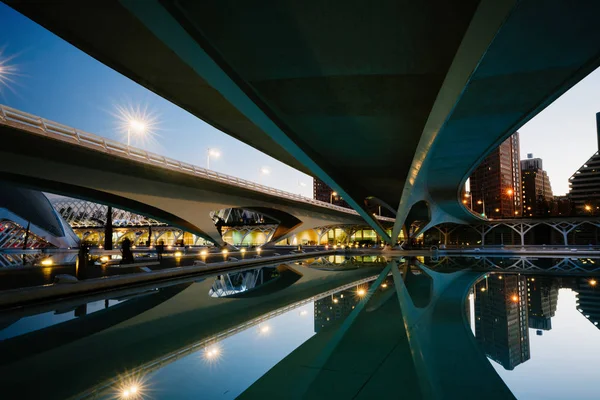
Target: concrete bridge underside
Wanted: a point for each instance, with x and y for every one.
(179, 199)
(394, 101)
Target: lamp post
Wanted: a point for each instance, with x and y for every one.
(137, 126)
(331, 197)
(211, 153)
(510, 192)
(263, 171)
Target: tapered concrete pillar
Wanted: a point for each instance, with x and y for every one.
(108, 231)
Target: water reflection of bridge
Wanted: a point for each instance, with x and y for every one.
(146, 331)
(545, 264)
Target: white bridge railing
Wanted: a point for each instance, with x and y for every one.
(44, 127)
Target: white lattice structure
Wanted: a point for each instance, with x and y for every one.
(86, 214)
(12, 236)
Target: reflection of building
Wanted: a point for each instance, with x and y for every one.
(537, 193)
(543, 296)
(588, 299)
(496, 182)
(322, 192)
(334, 308)
(501, 319)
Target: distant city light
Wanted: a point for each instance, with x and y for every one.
(483, 289)
(361, 292)
(514, 298)
(593, 282)
(384, 285)
(588, 207)
(510, 192)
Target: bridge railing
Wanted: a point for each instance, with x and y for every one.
(55, 130)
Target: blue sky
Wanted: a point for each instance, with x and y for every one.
(61, 83)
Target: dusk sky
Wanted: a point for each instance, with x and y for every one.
(59, 82)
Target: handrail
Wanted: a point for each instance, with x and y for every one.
(71, 135)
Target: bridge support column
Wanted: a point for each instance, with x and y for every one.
(108, 229)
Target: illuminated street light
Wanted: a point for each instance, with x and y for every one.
(361, 292)
(137, 126)
(479, 202)
(588, 207)
(331, 196)
(593, 282)
(510, 192)
(211, 153)
(137, 120)
(515, 298)
(7, 72)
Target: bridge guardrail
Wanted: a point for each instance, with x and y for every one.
(71, 135)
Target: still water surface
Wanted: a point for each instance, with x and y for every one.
(324, 328)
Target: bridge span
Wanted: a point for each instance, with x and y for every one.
(52, 157)
(413, 95)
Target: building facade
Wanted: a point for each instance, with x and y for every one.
(584, 187)
(536, 190)
(584, 184)
(495, 185)
(322, 192)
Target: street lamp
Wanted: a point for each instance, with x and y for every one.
(331, 196)
(211, 153)
(265, 171)
(138, 127)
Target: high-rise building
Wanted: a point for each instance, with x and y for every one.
(562, 205)
(495, 184)
(324, 193)
(584, 184)
(588, 299)
(501, 319)
(542, 300)
(536, 190)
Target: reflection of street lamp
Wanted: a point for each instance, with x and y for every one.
(211, 153)
(331, 196)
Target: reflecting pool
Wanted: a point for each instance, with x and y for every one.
(333, 327)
